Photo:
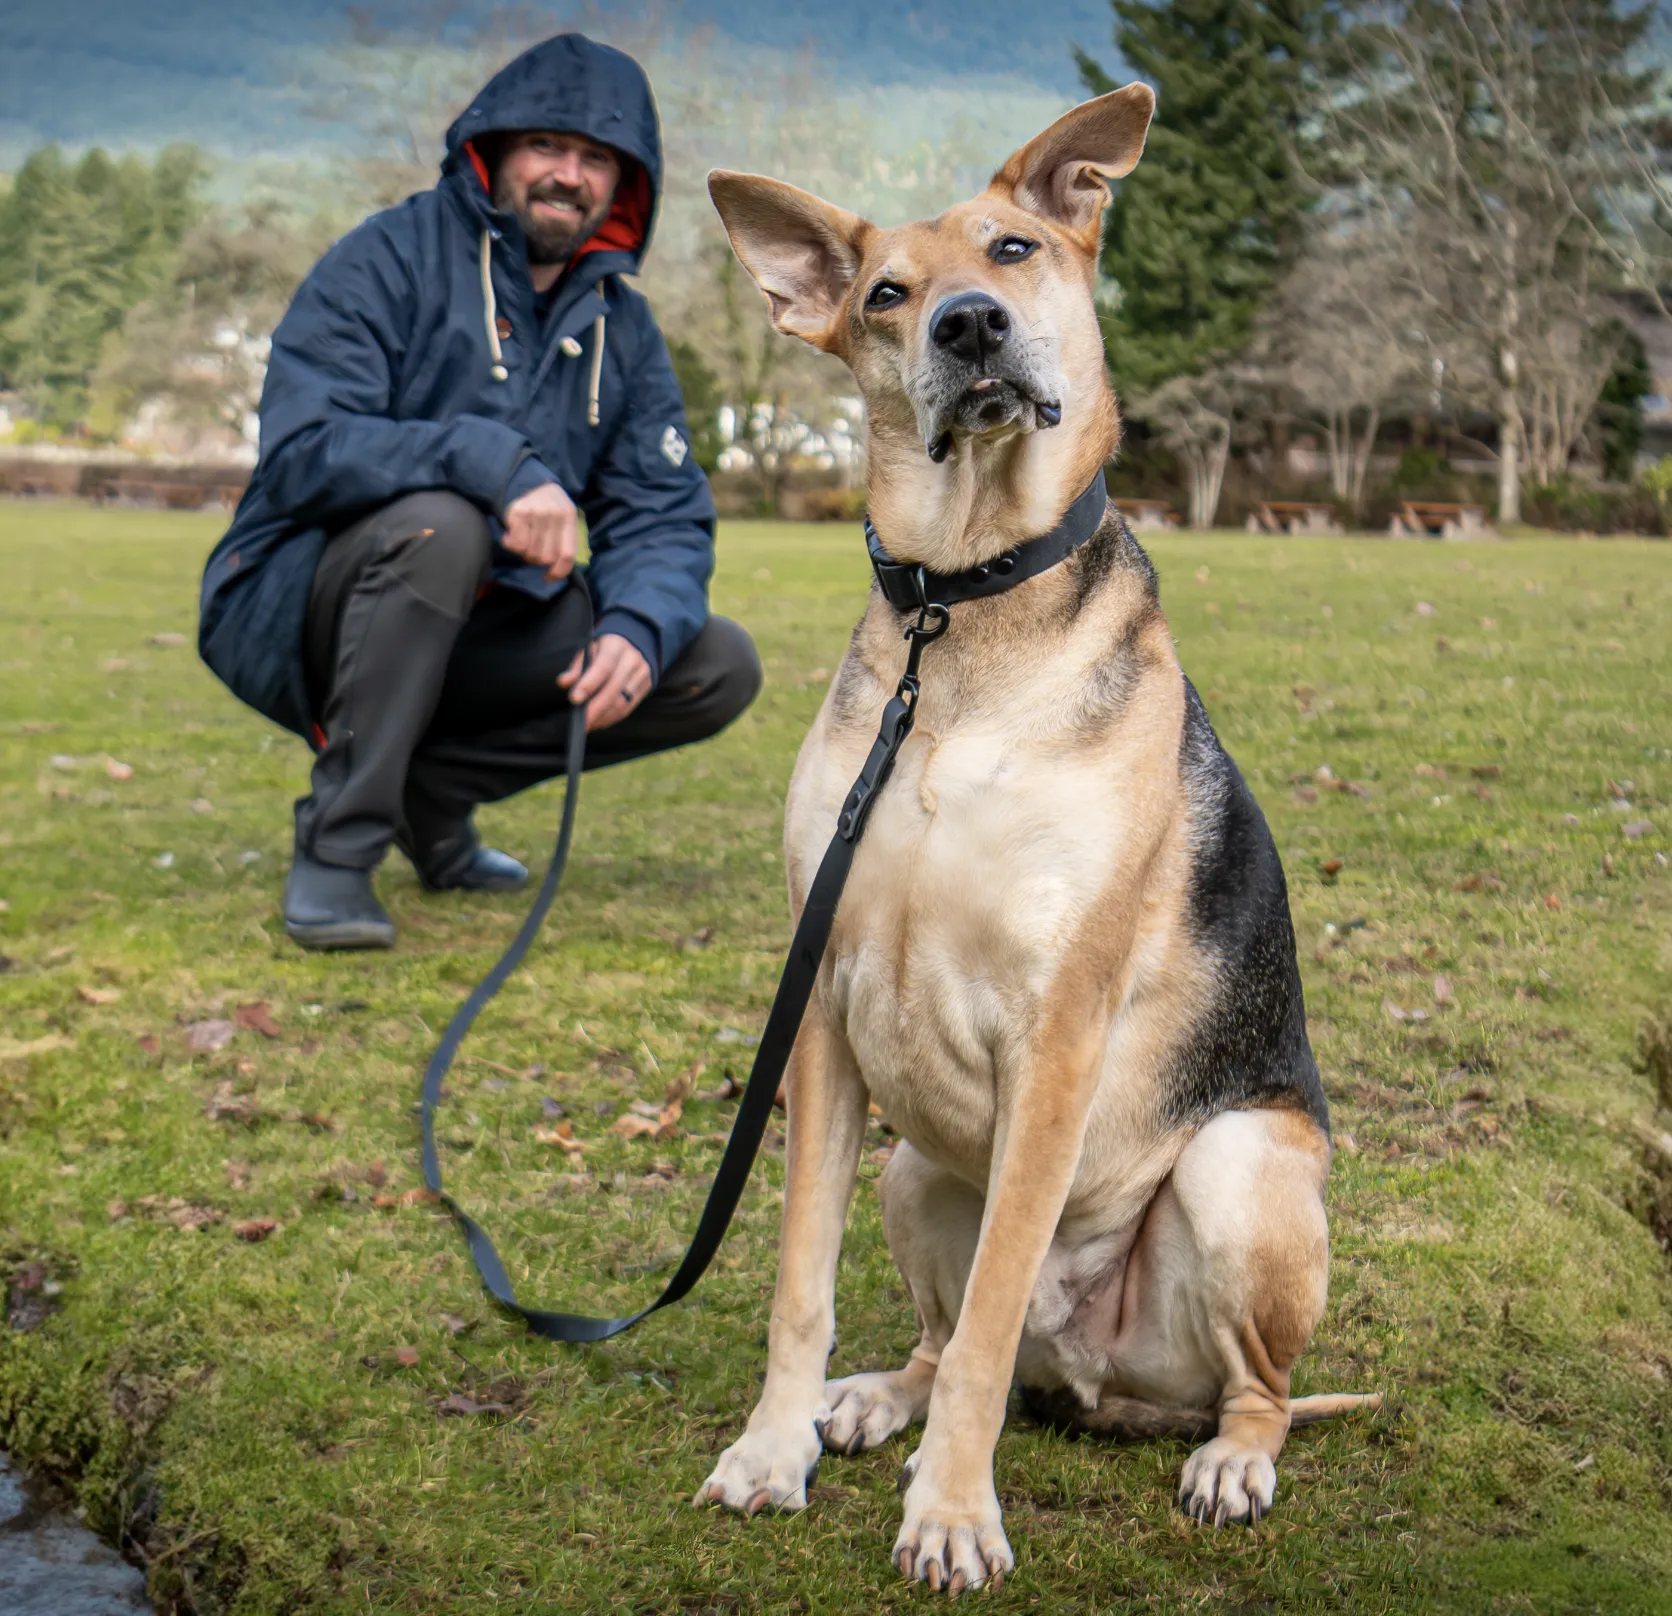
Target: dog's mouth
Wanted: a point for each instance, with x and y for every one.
(990, 404)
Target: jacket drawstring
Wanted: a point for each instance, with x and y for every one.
(498, 372)
(597, 371)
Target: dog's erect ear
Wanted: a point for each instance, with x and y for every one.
(1059, 174)
(802, 252)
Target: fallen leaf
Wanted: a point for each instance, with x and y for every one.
(167, 641)
(729, 1089)
(255, 1229)
(1331, 867)
(1551, 901)
(562, 1136)
(1636, 829)
(680, 1087)
(1306, 793)
(384, 1202)
(116, 1210)
(202, 805)
(420, 1196)
(1392, 1011)
(1442, 990)
(1429, 771)
(317, 1121)
(455, 1325)
(118, 771)
(237, 1174)
(1608, 864)
(632, 1126)
(1486, 771)
(1425, 608)
(97, 995)
(458, 1403)
(1480, 882)
(406, 1357)
(257, 1018)
(149, 1043)
(180, 1213)
(225, 1106)
(205, 1037)
(668, 1122)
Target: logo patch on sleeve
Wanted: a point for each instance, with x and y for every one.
(673, 446)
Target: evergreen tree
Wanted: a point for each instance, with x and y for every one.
(1198, 233)
(80, 245)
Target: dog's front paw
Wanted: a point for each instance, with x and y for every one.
(952, 1537)
(769, 1468)
(1225, 1480)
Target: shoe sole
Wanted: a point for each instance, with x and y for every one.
(341, 935)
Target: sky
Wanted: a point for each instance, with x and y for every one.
(233, 75)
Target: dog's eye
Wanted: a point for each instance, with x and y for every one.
(884, 295)
(1011, 249)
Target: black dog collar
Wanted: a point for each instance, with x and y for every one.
(910, 588)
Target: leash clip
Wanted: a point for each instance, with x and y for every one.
(897, 719)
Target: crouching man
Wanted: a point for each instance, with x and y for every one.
(453, 379)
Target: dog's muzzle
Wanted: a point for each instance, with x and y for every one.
(979, 380)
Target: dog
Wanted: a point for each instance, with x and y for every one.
(1063, 965)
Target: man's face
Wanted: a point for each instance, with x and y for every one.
(559, 185)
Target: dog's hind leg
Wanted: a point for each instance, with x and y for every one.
(1224, 1285)
(933, 1220)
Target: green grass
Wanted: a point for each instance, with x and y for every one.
(244, 1415)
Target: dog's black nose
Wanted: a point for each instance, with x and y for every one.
(970, 326)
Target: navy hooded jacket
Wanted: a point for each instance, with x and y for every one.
(384, 379)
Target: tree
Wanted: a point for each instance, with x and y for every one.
(1196, 417)
(1334, 337)
(1203, 227)
(80, 245)
(1486, 139)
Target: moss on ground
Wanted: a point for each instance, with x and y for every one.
(266, 1422)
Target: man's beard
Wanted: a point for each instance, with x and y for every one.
(552, 241)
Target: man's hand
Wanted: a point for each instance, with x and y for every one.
(616, 681)
(541, 527)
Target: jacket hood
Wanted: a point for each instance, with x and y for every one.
(572, 83)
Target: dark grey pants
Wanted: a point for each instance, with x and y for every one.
(434, 697)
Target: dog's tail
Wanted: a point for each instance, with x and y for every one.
(1130, 1419)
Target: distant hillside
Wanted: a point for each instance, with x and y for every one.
(229, 75)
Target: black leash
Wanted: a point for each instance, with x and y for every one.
(930, 596)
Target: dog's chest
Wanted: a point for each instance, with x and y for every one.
(975, 873)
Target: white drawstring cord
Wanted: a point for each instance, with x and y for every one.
(498, 372)
(597, 371)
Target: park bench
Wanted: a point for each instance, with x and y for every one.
(1146, 513)
(1294, 516)
(1438, 519)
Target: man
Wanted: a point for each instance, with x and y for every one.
(398, 586)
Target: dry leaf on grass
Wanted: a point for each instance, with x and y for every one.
(258, 1018)
(563, 1135)
(454, 1324)
(729, 1089)
(181, 1214)
(97, 995)
(206, 1037)
(406, 1357)
(680, 1087)
(632, 1126)
(1442, 990)
(118, 771)
(458, 1403)
(167, 641)
(225, 1106)
(255, 1229)
(420, 1196)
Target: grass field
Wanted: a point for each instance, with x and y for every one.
(279, 1421)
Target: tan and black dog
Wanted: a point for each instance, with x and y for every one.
(1063, 964)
